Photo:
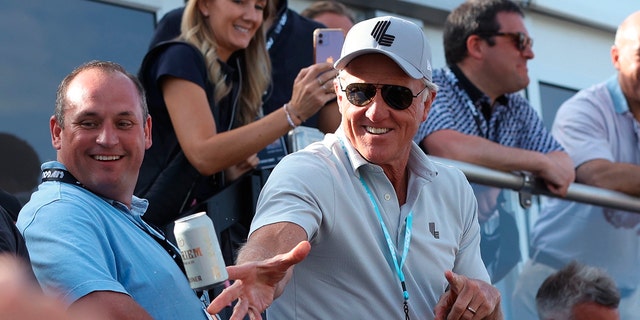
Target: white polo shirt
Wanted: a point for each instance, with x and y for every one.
(348, 273)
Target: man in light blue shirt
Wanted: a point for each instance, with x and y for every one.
(599, 129)
(83, 226)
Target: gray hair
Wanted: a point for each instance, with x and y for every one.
(572, 285)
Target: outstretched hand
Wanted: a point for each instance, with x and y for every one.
(258, 283)
(468, 299)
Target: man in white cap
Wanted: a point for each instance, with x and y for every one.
(374, 228)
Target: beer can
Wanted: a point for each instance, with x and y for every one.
(200, 251)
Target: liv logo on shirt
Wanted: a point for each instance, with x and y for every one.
(432, 229)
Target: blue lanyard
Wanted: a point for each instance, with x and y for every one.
(390, 244)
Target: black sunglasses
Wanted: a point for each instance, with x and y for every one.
(397, 97)
(521, 40)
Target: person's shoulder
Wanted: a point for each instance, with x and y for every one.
(313, 155)
(448, 92)
(174, 14)
(175, 55)
(440, 75)
(175, 48)
(445, 80)
(315, 159)
(597, 94)
(60, 200)
(168, 27)
(447, 171)
(439, 72)
(73, 212)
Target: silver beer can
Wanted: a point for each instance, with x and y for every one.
(200, 251)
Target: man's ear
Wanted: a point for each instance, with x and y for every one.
(615, 56)
(147, 132)
(56, 131)
(475, 45)
(427, 105)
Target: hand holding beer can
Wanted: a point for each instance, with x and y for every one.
(200, 251)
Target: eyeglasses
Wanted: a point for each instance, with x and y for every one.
(397, 97)
(521, 40)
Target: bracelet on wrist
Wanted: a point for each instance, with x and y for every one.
(289, 120)
(296, 115)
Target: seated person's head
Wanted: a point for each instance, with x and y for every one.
(578, 292)
(331, 13)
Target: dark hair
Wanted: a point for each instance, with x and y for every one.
(108, 66)
(572, 285)
(319, 7)
(473, 17)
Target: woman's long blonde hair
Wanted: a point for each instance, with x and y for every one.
(256, 66)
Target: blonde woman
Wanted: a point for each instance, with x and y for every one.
(205, 95)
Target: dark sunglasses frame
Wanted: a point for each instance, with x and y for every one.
(521, 40)
(397, 97)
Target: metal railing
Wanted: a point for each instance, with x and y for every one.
(527, 185)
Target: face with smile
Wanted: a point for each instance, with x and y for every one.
(233, 22)
(381, 134)
(105, 134)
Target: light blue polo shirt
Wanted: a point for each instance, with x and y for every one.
(80, 243)
(348, 273)
(594, 124)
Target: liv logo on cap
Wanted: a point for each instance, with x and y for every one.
(401, 40)
(379, 33)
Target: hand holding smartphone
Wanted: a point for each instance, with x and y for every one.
(327, 44)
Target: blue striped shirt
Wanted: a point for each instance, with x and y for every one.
(513, 122)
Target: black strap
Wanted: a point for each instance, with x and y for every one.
(61, 175)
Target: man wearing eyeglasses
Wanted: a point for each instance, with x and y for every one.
(376, 229)
(479, 117)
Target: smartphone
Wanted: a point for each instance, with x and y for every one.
(327, 44)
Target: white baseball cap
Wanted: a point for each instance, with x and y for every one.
(399, 39)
